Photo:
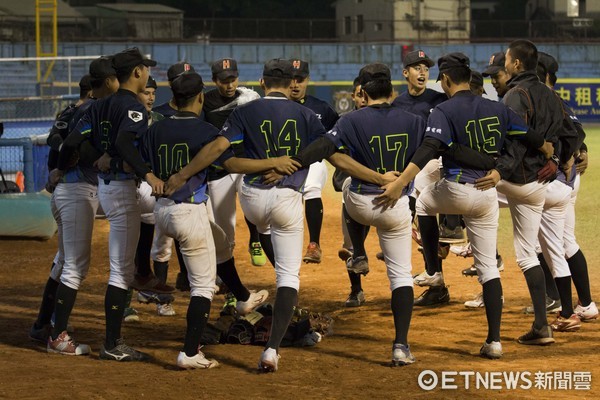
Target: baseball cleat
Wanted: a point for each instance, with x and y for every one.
(477, 302)
(380, 256)
(462, 251)
(165, 310)
(64, 344)
(147, 297)
(358, 265)
(257, 255)
(344, 253)
(541, 337)
(472, 271)
(491, 350)
(401, 355)
(562, 324)
(456, 235)
(122, 352)
(313, 253)
(433, 296)
(40, 334)
(150, 283)
(355, 299)
(254, 301)
(199, 361)
(552, 307)
(588, 313)
(424, 279)
(269, 360)
(130, 315)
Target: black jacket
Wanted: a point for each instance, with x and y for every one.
(542, 109)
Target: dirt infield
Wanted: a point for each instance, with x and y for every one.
(352, 363)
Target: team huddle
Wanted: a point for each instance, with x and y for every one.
(423, 165)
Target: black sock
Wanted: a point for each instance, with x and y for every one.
(537, 290)
(412, 204)
(114, 307)
(430, 237)
(144, 246)
(65, 300)
(267, 246)
(566, 301)
(253, 232)
(402, 306)
(197, 315)
(581, 279)
(283, 310)
(492, 298)
(551, 289)
(161, 270)
(357, 232)
(314, 218)
(355, 282)
(228, 274)
(452, 221)
(182, 268)
(48, 302)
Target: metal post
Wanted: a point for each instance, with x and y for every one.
(69, 73)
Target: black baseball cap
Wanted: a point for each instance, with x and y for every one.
(477, 79)
(101, 68)
(300, 68)
(187, 85)
(548, 62)
(177, 69)
(151, 83)
(451, 61)
(85, 83)
(131, 58)
(417, 57)
(278, 68)
(224, 68)
(371, 72)
(495, 65)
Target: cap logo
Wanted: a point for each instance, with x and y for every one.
(492, 59)
(421, 54)
(226, 64)
(296, 64)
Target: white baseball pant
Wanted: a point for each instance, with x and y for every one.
(480, 212)
(428, 175)
(222, 193)
(74, 206)
(147, 202)
(570, 242)
(189, 224)
(315, 180)
(119, 200)
(526, 203)
(394, 232)
(280, 209)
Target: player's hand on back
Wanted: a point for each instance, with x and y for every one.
(156, 184)
(53, 178)
(389, 177)
(175, 182)
(548, 172)
(548, 149)
(103, 163)
(127, 168)
(285, 165)
(489, 181)
(271, 177)
(392, 192)
(582, 162)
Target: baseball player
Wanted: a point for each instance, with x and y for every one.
(371, 136)
(286, 128)
(218, 105)
(113, 124)
(497, 73)
(470, 121)
(74, 204)
(317, 175)
(169, 108)
(542, 110)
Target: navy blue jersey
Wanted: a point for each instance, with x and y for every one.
(165, 109)
(475, 122)
(420, 105)
(171, 143)
(382, 138)
(324, 111)
(271, 127)
(105, 118)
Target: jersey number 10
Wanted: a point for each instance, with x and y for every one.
(172, 158)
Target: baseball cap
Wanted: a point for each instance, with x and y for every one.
(477, 79)
(151, 83)
(101, 68)
(496, 64)
(417, 57)
(131, 58)
(179, 68)
(300, 68)
(278, 68)
(85, 84)
(548, 62)
(371, 72)
(187, 85)
(451, 61)
(224, 69)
